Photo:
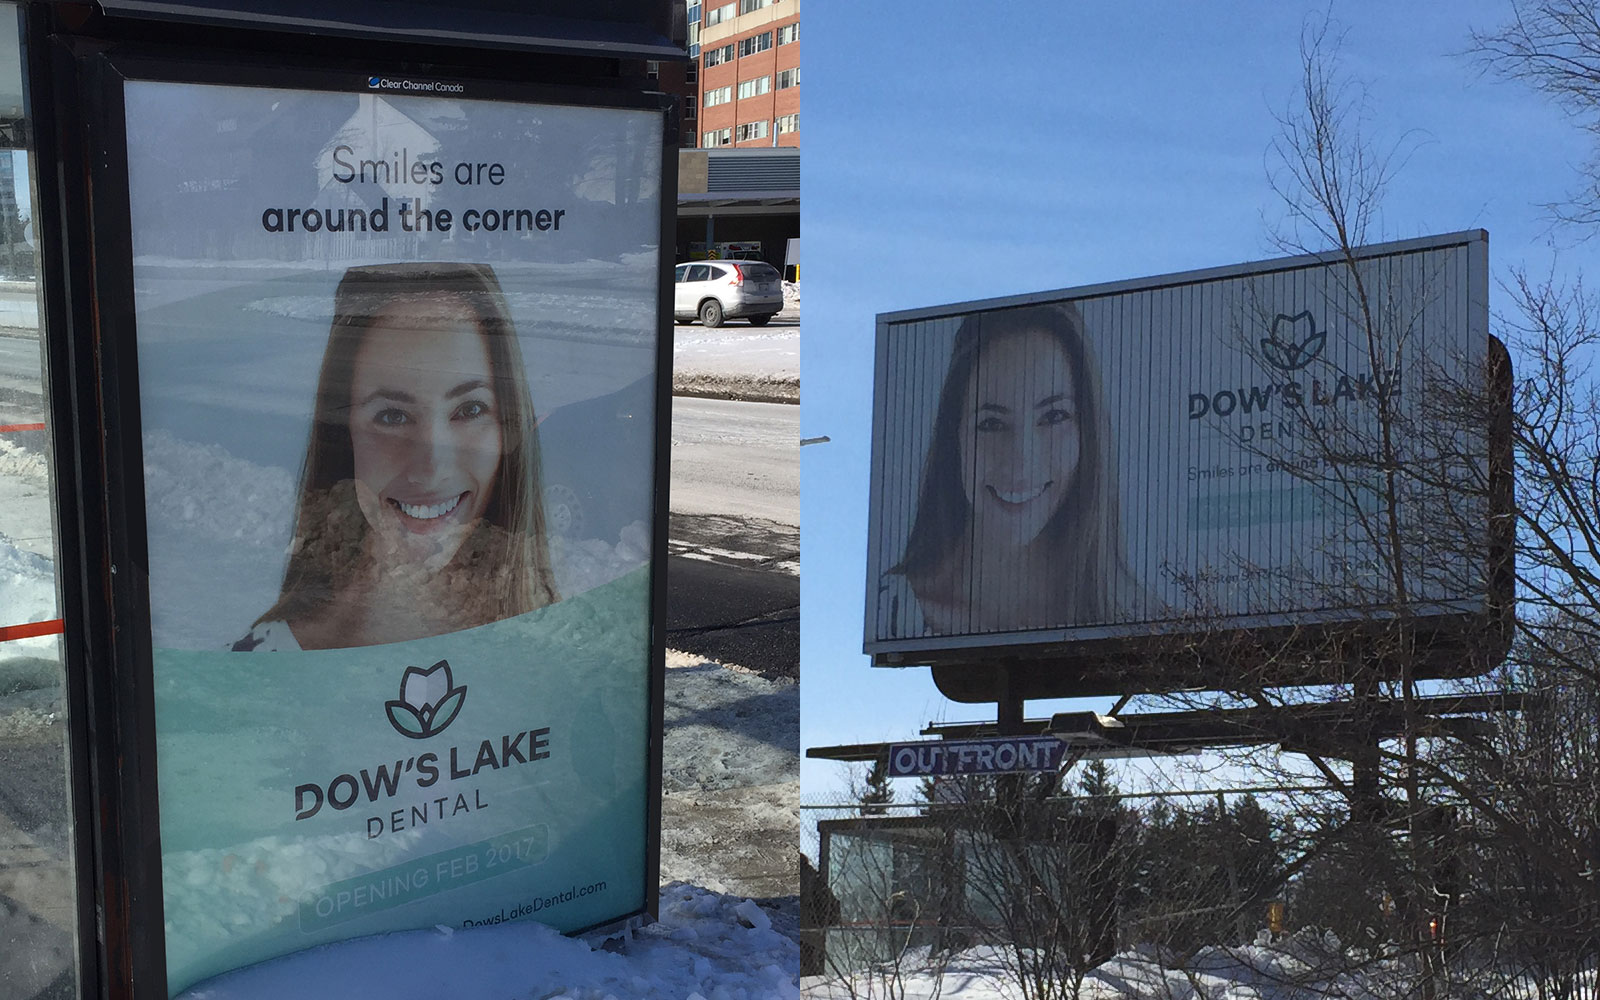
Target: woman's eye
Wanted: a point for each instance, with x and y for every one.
(989, 425)
(1054, 416)
(391, 418)
(472, 410)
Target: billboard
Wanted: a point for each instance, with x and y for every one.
(1072, 473)
(397, 360)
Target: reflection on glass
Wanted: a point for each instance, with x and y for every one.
(37, 909)
(420, 507)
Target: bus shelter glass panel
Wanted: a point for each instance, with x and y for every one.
(38, 915)
(396, 360)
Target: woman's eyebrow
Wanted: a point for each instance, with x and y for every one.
(468, 386)
(996, 407)
(398, 395)
(1049, 400)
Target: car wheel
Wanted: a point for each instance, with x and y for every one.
(711, 313)
(563, 511)
(760, 320)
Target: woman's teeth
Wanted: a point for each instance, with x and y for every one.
(428, 512)
(1019, 496)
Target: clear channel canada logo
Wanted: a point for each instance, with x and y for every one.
(372, 82)
(1294, 341)
(429, 701)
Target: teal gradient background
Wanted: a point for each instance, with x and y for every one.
(238, 732)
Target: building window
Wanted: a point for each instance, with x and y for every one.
(717, 56)
(720, 14)
(688, 109)
(720, 137)
(755, 43)
(788, 123)
(788, 78)
(789, 33)
(691, 73)
(652, 69)
(746, 6)
(722, 95)
(751, 130)
(755, 88)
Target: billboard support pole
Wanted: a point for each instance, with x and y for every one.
(1008, 722)
(1366, 804)
(1008, 697)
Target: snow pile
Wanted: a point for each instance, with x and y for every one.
(758, 364)
(203, 492)
(705, 947)
(771, 351)
(19, 463)
(740, 361)
(731, 780)
(1310, 963)
(583, 564)
(30, 669)
(220, 895)
(27, 580)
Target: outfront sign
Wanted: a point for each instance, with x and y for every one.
(999, 755)
(397, 364)
(1235, 449)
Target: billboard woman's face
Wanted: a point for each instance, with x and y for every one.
(1019, 438)
(424, 429)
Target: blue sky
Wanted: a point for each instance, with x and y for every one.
(961, 150)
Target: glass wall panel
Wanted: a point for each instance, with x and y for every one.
(38, 951)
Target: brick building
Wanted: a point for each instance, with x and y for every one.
(748, 68)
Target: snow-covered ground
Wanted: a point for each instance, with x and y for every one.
(731, 781)
(1302, 966)
(740, 361)
(706, 946)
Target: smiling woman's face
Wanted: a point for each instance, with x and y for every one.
(1019, 438)
(424, 429)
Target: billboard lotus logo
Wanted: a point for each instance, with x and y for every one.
(1286, 349)
(429, 701)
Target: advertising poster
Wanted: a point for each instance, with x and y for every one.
(1185, 453)
(397, 354)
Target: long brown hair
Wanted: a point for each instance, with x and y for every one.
(507, 553)
(1085, 529)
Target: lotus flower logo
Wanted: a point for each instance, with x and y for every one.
(1289, 351)
(429, 701)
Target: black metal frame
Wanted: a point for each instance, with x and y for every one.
(1329, 729)
(76, 65)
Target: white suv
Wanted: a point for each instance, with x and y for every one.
(715, 290)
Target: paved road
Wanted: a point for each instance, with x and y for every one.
(735, 614)
(19, 374)
(733, 577)
(734, 458)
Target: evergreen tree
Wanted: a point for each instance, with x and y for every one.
(878, 792)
